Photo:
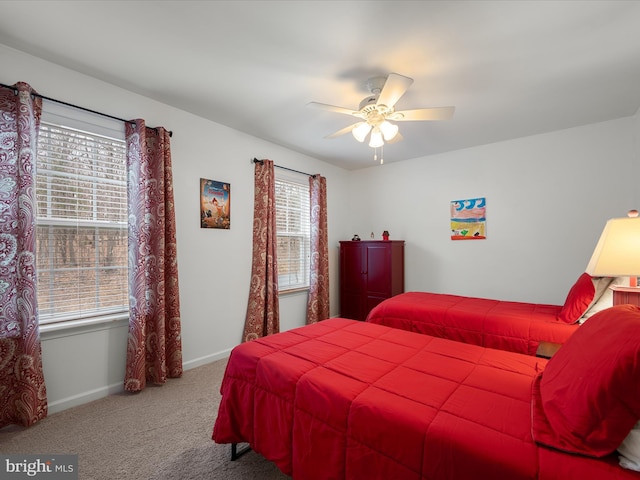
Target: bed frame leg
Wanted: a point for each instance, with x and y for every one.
(236, 454)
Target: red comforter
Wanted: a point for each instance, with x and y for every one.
(343, 399)
(513, 326)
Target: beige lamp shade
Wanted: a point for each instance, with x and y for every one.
(618, 250)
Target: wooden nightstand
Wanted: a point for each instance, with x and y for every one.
(625, 295)
(547, 349)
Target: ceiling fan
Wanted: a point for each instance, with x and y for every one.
(377, 111)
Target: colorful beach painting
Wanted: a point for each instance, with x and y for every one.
(469, 219)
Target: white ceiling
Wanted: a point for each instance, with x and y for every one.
(511, 68)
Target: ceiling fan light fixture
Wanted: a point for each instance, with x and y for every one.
(376, 138)
(361, 131)
(375, 111)
(389, 130)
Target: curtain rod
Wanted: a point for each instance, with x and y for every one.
(255, 160)
(79, 108)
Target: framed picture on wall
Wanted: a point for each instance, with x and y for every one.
(469, 219)
(215, 204)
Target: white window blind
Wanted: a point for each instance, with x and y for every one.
(292, 224)
(81, 226)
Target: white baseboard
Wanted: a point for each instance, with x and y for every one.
(85, 397)
(91, 395)
(214, 357)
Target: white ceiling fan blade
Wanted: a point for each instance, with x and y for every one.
(436, 113)
(333, 108)
(393, 89)
(343, 130)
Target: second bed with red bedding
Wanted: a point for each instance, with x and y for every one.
(514, 326)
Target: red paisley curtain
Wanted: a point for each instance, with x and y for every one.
(318, 303)
(262, 310)
(23, 396)
(154, 348)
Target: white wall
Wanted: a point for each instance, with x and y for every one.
(214, 265)
(548, 198)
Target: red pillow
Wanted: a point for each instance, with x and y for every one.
(587, 399)
(578, 299)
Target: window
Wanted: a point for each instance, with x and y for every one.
(81, 220)
(293, 232)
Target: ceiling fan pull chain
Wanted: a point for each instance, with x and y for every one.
(382, 155)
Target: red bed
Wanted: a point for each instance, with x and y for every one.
(513, 326)
(344, 399)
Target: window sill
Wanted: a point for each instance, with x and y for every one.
(293, 291)
(83, 325)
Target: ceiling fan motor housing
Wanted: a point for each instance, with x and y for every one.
(374, 114)
(368, 104)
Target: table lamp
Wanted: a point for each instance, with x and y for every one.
(617, 253)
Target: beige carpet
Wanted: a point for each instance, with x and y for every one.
(160, 433)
